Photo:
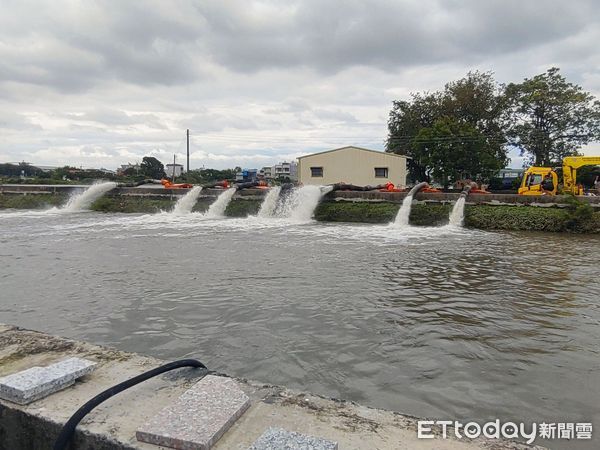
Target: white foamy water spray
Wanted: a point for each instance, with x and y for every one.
(186, 203)
(301, 203)
(403, 215)
(269, 204)
(83, 200)
(218, 207)
(457, 216)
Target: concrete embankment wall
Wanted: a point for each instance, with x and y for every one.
(113, 424)
(484, 211)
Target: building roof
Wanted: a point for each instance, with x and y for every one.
(356, 148)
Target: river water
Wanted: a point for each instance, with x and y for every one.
(438, 322)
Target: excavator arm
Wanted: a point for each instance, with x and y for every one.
(570, 166)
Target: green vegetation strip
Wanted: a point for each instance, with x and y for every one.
(31, 201)
(577, 217)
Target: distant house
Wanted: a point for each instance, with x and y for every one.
(281, 170)
(135, 167)
(174, 170)
(266, 172)
(286, 170)
(353, 165)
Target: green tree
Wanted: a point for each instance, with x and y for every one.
(406, 120)
(453, 149)
(551, 117)
(65, 172)
(474, 105)
(201, 176)
(152, 167)
(23, 168)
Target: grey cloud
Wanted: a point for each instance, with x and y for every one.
(209, 122)
(115, 117)
(16, 122)
(335, 115)
(89, 150)
(72, 47)
(330, 36)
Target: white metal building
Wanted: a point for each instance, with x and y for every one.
(176, 169)
(352, 165)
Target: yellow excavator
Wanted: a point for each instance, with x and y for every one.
(534, 177)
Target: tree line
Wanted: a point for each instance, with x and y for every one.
(150, 167)
(466, 129)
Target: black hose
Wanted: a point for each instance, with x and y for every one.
(69, 428)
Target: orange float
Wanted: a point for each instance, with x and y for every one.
(168, 185)
(389, 187)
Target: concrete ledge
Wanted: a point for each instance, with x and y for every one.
(447, 197)
(113, 424)
(356, 196)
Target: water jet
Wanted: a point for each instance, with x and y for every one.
(186, 203)
(82, 201)
(218, 207)
(403, 215)
(457, 215)
(269, 204)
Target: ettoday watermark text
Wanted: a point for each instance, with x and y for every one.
(426, 429)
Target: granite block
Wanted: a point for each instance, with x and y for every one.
(38, 382)
(280, 439)
(199, 417)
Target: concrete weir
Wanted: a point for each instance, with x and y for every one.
(338, 195)
(259, 413)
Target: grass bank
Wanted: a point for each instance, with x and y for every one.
(576, 218)
(31, 201)
(131, 204)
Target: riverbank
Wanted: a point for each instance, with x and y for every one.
(487, 212)
(113, 424)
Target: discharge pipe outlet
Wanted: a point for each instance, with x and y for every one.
(247, 185)
(465, 191)
(353, 187)
(417, 187)
(138, 183)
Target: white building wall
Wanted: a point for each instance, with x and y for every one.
(178, 170)
(352, 165)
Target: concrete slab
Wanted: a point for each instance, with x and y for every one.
(199, 417)
(280, 439)
(38, 382)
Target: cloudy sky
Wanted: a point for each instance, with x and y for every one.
(105, 82)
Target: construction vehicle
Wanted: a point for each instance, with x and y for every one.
(534, 176)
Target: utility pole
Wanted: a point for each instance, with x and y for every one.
(188, 150)
(173, 168)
